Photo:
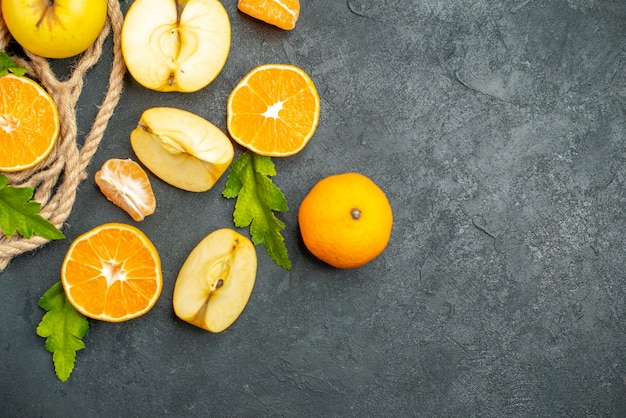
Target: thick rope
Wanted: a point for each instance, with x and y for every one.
(56, 179)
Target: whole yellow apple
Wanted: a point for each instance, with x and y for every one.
(55, 28)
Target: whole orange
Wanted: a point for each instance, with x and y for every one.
(345, 220)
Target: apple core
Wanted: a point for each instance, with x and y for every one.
(171, 45)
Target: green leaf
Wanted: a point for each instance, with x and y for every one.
(257, 199)
(63, 327)
(19, 213)
(8, 65)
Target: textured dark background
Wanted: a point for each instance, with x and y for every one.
(497, 129)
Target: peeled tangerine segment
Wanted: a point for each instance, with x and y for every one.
(125, 184)
(181, 148)
(215, 282)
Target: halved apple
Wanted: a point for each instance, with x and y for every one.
(181, 148)
(215, 282)
(175, 45)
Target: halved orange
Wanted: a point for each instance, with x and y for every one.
(274, 110)
(29, 123)
(281, 13)
(112, 273)
(127, 185)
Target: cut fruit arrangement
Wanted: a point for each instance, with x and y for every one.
(113, 272)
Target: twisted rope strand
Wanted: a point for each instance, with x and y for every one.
(65, 167)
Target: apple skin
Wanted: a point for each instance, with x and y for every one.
(181, 148)
(55, 29)
(176, 45)
(215, 282)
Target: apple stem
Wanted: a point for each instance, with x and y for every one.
(48, 8)
(355, 213)
(144, 127)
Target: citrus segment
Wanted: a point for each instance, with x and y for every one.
(274, 110)
(112, 273)
(29, 123)
(345, 220)
(126, 184)
(281, 13)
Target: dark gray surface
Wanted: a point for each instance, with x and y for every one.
(497, 129)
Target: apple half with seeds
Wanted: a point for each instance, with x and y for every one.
(215, 282)
(175, 45)
(181, 148)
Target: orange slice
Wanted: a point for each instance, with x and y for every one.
(274, 110)
(126, 184)
(29, 123)
(281, 13)
(112, 273)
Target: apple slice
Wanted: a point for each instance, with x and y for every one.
(181, 148)
(175, 45)
(216, 281)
